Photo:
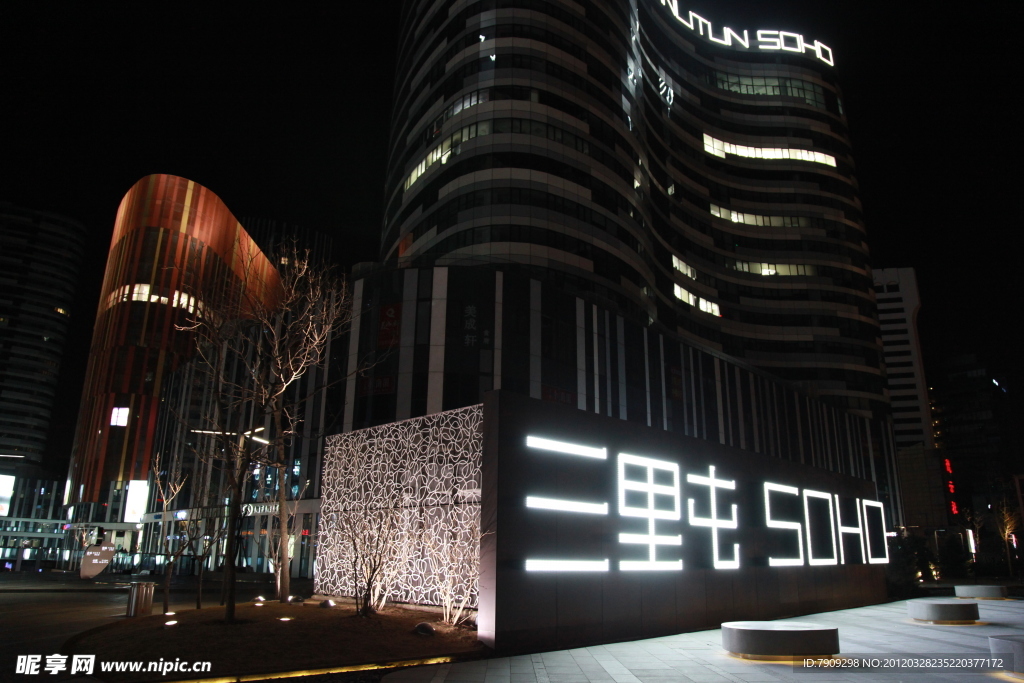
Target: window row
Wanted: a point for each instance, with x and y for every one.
(720, 148)
(764, 221)
(694, 300)
(144, 292)
(495, 126)
(773, 268)
(812, 93)
(465, 102)
(686, 270)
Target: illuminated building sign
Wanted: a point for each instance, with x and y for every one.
(763, 39)
(649, 509)
(136, 500)
(599, 529)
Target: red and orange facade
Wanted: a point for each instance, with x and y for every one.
(173, 240)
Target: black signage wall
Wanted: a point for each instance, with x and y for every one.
(598, 530)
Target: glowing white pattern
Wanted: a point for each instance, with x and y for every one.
(811, 559)
(870, 554)
(777, 524)
(567, 565)
(566, 505)
(566, 447)
(428, 468)
(649, 511)
(713, 521)
(859, 530)
(720, 148)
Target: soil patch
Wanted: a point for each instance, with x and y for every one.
(271, 638)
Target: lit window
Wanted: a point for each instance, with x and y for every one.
(772, 268)
(812, 93)
(720, 148)
(62, 311)
(686, 270)
(754, 219)
(693, 300)
(119, 417)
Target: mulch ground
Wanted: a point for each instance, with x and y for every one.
(261, 643)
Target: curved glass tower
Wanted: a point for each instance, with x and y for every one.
(633, 209)
(695, 174)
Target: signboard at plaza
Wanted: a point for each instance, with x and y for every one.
(602, 529)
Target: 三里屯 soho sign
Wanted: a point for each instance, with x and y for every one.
(785, 41)
(661, 509)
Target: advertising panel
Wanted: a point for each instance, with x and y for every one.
(136, 500)
(6, 493)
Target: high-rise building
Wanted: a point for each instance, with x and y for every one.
(631, 209)
(172, 237)
(926, 483)
(898, 305)
(40, 257)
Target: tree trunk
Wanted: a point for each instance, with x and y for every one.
(284, 582)
(231, 548)
(167, 583)
(1009, 560)
(199, 583)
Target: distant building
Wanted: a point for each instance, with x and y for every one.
(974, 431)
(40, 257)
(923, 478)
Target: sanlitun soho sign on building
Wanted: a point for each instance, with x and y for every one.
(595, 529)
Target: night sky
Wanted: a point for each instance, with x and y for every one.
(285, 115)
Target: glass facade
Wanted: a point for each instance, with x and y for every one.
(595, 205)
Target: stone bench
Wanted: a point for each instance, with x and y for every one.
(1011, 649)
(981, 592)
(943, 611)
(779, 638)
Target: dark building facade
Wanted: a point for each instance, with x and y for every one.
(630, 209)
(40, 257)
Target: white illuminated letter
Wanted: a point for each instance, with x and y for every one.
(713, 521)
(567, 565)
(769, 40)
(885, 546)
(649, 511)
(567, 448)
(824, 52)
(776, 524)
(799, 47)
(811, 560)
(566, 505)
(859, 530)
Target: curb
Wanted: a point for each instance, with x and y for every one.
(400, 664)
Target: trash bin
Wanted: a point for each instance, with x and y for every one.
(140, 599)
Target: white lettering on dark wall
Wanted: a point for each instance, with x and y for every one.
(785, 41)
(650, 489)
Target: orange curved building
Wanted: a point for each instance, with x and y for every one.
(172, 238)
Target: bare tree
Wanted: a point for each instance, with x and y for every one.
(256, 338)
(453, 556)
(1007, 522)
(203, 535)
(291, 336)
(168, 484)
(372, 535)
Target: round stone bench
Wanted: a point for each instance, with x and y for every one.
(981, 592)
(779, 638)
(1011, 649)
(943, 611)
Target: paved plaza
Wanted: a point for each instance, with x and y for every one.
(699, 658)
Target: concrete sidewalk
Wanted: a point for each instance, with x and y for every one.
(699, 658)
